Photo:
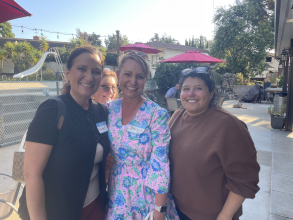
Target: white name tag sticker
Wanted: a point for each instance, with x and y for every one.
(135, 129)
(102, 127)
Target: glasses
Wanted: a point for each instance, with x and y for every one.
(107, 88)
(142, 54)
(201, 69)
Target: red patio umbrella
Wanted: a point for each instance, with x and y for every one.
(9, 10)
(192, 56)
(140, 47)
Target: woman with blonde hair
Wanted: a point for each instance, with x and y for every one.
(139, 138)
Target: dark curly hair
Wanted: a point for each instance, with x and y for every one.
(210, 83)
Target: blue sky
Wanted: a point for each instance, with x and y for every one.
(136, 19)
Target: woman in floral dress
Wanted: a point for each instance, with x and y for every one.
(139, 137)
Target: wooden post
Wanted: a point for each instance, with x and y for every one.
(289, 110)
(118, 46)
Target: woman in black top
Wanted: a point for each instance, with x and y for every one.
(60, 165)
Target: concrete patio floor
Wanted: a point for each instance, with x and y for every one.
(274, 201)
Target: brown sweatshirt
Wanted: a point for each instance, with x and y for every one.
(211, 154)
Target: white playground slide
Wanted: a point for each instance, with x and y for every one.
(38, 66)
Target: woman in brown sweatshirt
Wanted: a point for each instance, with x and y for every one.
(213, 158)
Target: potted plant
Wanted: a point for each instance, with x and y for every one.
(277, 118)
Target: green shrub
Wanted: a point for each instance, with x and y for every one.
(280, 82)
(168, 74)
(111, 59)
(283, 109)
(239, 79)
(218, 78)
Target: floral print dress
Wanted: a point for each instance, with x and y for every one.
(141, 164)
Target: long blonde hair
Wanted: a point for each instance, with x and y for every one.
(145, 65)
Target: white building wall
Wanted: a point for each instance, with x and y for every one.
(274, 65)
(171, 53)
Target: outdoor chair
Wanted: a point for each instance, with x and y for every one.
(172, 104)
(8, 200)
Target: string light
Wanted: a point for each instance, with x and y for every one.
(49, 31)
(42, 30)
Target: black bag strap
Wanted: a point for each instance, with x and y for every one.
(61, 111)
(106, 111)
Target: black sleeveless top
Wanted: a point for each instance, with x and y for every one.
(67, 173)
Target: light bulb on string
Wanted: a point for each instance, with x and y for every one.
(41, 32)
(72, 36)
(57, 35)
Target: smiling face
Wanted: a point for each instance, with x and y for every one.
(131, 79)
(84, 76)
(195, 95)
(103, 96)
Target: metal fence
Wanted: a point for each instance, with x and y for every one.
(19, 101)
(18, 104)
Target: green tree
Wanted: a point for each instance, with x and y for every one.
(163, 39)
(75, 43)
(200, 42)
(103, 50)
(64, 55)
(22, 54)
(6, 30)
(111, 41)
(43, 44)
(2, 57)
(186, 42)
(168, 74)
(111, 59)
(244, 32)
(155, 38)
(193, 42)
(94, 39)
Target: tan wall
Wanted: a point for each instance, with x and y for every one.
(8, 66)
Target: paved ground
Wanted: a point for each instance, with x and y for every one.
(275, 155)
(274, 201)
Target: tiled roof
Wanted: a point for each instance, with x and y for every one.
(174, 46)
(160, 45)
(34, 43)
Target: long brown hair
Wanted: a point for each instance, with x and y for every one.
(75, 53)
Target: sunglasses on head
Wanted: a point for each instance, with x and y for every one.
(142, 54)
(107, 88)
(201, 69)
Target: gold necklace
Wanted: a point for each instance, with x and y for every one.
(198, 113)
